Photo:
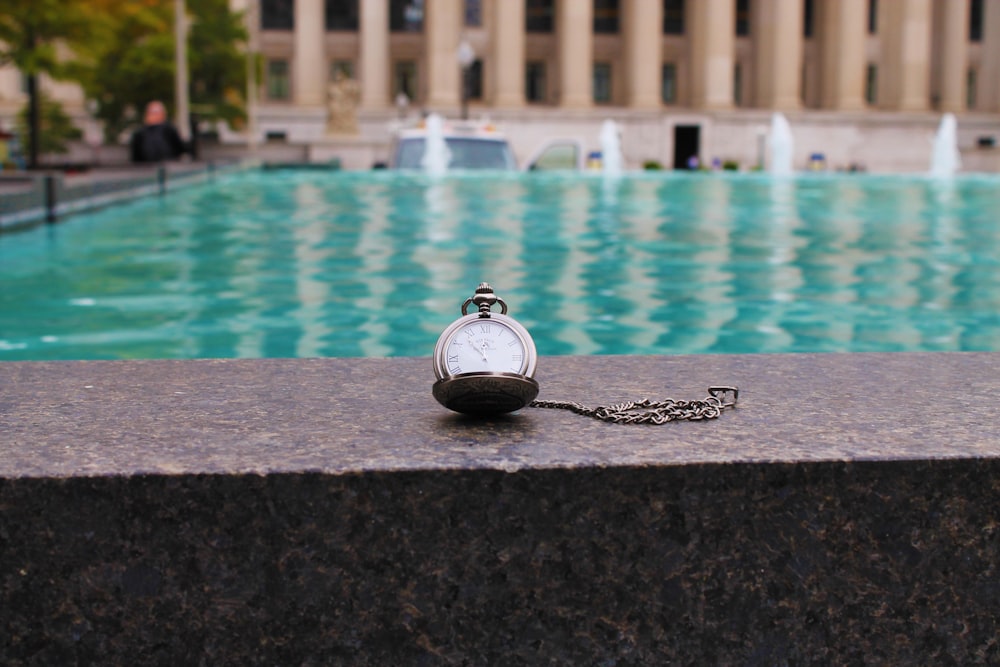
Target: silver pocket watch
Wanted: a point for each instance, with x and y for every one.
(485, 361)
(485, 365)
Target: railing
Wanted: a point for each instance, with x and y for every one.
(34, 198)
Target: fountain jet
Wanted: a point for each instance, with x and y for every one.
(611, 149)
(436, 154)
(782, 146)
(945, 159)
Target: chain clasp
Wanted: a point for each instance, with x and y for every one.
(719, 394)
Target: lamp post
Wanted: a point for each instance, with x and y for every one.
(761, 146)
(181, 70)
(252, 22)
(466, 56)
(402, 104)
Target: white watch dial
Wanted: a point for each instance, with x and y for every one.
(484, 345)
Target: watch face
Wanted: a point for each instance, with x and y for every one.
(484, 345)
(474, 344)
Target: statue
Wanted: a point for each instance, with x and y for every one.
(342, 104)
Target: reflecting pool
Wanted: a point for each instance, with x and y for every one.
(302, 264)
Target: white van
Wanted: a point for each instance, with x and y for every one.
(468, 146)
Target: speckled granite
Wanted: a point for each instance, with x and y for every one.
(315, 512)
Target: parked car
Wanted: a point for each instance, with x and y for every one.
(479, 145)
(466, 146)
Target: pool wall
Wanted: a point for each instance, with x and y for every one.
(324, 511)
(28, 199)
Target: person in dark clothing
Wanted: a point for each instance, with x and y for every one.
(157, 140)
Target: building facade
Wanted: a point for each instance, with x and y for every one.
(891, 55)
(856, 77)
(681, 76)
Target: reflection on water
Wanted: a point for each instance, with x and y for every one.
(377, 264)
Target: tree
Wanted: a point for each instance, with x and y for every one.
(128, 63)
(30, 33)
(55, 128)
(218, 62)
(123, 56)
(131, 61)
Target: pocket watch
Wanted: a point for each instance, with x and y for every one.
(485, 361)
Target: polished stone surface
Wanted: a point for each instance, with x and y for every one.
(329, 511)
(348, 415)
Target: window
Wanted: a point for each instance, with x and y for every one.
(668, 83)
(976, 21)
(808, 20)
(342, 15)
(345, 67)
(277, 14)
(742, 18)
(534, 82)
(539, 15)
(970, 89)
(405, 79)
(464, 153)
(871, 85)
(606, 16)
(406, 15)
(561, 156)
(278, 85)
(602, 83)
(673, 17)
(474, 13)
(872, 17)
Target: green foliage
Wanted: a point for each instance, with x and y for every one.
(218, 67)
(131, 62)
(652, 165)
(30, 33)
(55, 128)
(29, 30)
(123, 53)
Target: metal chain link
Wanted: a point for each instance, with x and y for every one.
(652, 412)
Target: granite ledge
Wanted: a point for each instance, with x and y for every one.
(335, 416)
(328, 511)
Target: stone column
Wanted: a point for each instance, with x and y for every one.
(843, 28)
(575, 29)
(776, 32)
(442, 33)
(905, 47)
(713, 44)
(310, 68)
(951, 41)
(507, 57)
(374, 58)
(988, 77)
(641, 40)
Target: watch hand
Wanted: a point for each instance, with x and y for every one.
(482, 349)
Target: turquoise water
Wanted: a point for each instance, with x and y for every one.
(273, 264)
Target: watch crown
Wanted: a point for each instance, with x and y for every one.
(484, 299)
